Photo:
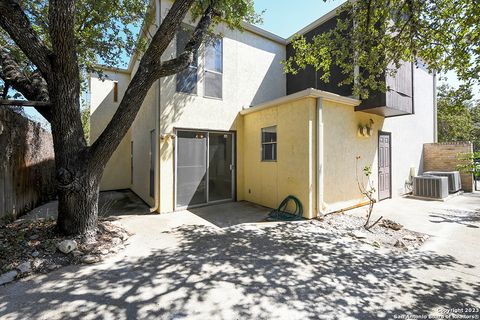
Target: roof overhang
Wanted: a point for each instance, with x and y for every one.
(307, 93)
(315, 24)
(264, 33)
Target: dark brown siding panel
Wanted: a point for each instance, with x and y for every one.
(400, 89)
(309, 78)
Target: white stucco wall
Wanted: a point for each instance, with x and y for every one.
(410, 132)
(102, 108)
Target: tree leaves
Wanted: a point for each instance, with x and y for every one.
(458, 117)
(376, 36)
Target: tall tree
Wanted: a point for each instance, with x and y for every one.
(454, 119)
(374, 37)
(475, 114)
(46, 46)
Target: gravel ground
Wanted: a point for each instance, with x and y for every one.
(380, 236)
(33, 246)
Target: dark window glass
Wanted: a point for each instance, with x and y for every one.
(152, 163)
(214, 68)
(186, 79)
(269, 144)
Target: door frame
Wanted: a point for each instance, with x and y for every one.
(234, 168)
(384, 133)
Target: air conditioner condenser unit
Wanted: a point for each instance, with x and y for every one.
(454, 182)
(430, 187)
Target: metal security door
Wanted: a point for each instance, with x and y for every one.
(384, 165)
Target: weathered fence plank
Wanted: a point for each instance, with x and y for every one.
(26, 164)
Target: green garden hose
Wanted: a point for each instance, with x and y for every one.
(281, 213)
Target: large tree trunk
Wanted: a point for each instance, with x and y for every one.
(79, 168)
(78, 205)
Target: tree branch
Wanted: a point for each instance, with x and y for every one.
(150, 70)
(32, 87)
(15, 22)
(5, 90)
(180, 63)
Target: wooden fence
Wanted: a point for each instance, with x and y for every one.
(26, 164)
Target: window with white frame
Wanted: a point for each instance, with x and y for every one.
(186, 79)
(269, 144)
(214, 68)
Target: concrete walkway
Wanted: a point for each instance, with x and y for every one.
(183, 266)
(454, 226)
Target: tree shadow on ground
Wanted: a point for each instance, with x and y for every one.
(285, 270)
(468, 218)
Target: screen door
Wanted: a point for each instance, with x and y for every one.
(220, 148)
(191, 168)
(204, 167)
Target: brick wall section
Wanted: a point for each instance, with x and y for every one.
(444, 157)
(27, 169)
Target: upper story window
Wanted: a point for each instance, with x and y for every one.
(269, 144)
(187, 79)
(214, 68)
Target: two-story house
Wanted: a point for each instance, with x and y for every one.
(234, 127)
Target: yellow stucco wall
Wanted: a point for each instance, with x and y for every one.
(102, 108)
(342, 145)
(268, 183)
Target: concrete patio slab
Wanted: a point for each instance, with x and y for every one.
(454, 226)
(184, 266)
(111, 203)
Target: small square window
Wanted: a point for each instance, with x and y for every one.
(269, 144)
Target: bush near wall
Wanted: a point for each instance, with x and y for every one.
(446, 156)
(27, 169)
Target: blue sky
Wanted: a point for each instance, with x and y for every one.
(284, 18)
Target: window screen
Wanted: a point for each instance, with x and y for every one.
(186, 79)
(269, 144)
(214, 68)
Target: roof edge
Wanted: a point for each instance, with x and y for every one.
(112, 69)
(329, 15)
(264, 33)
(307, 93)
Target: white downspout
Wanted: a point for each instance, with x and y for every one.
(156, 182)
(319, 156)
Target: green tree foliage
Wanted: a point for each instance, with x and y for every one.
(458, 116)
(105, 31)
(475, 136)
(86, 123)
(375, 36)
(454, 118)
(47, 48)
